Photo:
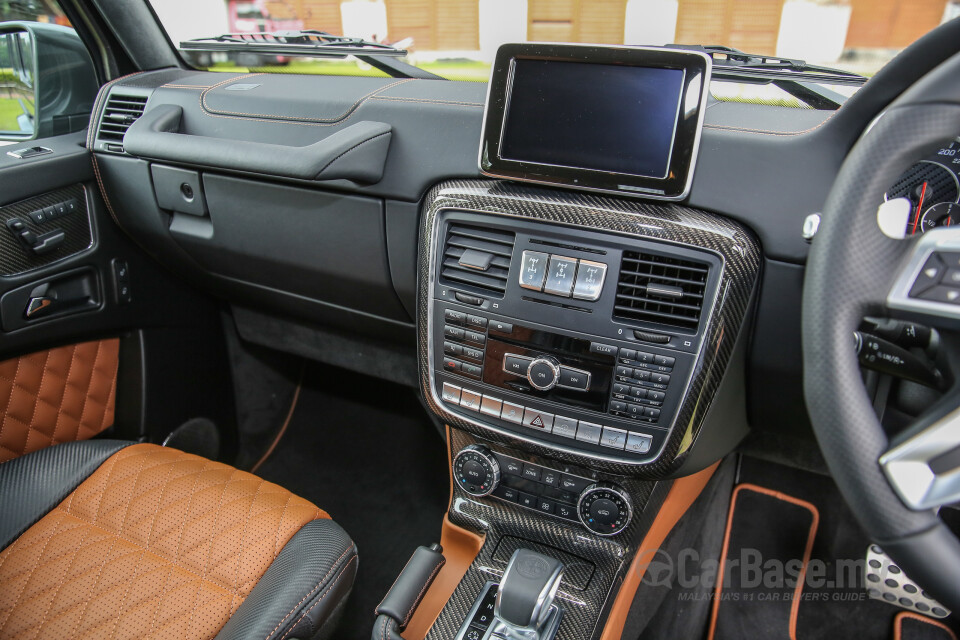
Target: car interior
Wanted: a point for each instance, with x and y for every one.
(581, 352)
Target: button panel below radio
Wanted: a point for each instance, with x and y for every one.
(464, 341)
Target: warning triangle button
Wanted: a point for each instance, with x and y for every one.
(537, 422)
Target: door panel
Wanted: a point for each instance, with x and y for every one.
(58, 395)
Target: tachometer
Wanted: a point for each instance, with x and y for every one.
(925, 184)
(942, 214)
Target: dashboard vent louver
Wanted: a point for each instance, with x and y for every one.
(660, 290)
(121, 111)
(486, 265)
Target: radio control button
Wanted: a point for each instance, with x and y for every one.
(564, 426)
(624, 372)
(651, 413)
(470, 400)
(512, 413)
(639, 442)
(574, 379)
(538, 420)
(477, 321)
(644, 357)
(470, 369)
(642, 375)
(544, 373)
(491, 406)
(664, 361)
(560, 276)
(517, 365)
(451, 393)
(471, 354)
(627, 354)
(474, 337)
(452, 349)
(454, 316)
(660, 378)
(533, 269)
(613, 438)
(635, 410)
(589, 432)
(454, 333)
(618, 407)
(603, 349)
(590, 278)
(449, 364)
(501, 327)
(621, 389)
(638, 393)
(655, 396)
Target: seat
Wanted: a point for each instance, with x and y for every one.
(109, 539)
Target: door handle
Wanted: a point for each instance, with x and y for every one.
(36, 306)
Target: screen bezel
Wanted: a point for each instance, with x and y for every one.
(696, 67)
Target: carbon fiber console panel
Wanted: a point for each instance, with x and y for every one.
(17, 258)
(571, 221)
(590, 582)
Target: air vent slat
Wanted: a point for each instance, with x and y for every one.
(120, 112)
(638, 270)
(498, 245)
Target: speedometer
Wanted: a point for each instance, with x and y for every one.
(925, 185)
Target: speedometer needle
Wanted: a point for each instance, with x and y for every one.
(923, 192)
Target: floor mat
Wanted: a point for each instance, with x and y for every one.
(766, 549)
(913, 626)
(364, 450)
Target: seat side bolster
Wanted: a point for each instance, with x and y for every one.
(35, 483)
(301, 590)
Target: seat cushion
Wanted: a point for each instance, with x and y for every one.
(157, 543)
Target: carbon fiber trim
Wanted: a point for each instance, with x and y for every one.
(585, 606)
(16, 258)
(669, 223)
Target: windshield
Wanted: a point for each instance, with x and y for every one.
(457, 39)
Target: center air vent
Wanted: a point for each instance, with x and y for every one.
(477, 258)
(121, 111)
(660, 290)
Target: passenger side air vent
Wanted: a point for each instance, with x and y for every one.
(665, 291)
(478, 258)
(121, 112)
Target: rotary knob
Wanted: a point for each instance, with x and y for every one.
(543, 373)
(476, 470)
(605, 508)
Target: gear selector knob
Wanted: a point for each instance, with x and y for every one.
(527, 589)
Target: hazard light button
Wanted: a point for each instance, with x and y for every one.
(538, 420)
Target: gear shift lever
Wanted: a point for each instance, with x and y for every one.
(524, 607)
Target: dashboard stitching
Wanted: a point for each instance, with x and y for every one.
(768, 131)
(428, 100)
(342, 117)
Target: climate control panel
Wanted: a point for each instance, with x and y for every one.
(602, 507)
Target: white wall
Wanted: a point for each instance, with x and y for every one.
(813, 32)
(652, 22)
(501, 21)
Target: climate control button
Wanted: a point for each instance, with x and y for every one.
(476, 470)
(605, 508)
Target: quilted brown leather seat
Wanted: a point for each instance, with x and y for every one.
(107, 539)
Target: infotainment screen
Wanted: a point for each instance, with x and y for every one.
(627, 125)
(617, 119)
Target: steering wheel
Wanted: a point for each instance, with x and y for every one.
(894, 486)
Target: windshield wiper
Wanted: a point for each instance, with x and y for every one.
(797, 77)
(315, 44)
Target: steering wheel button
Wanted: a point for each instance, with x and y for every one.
(929, 275)
(942, 293)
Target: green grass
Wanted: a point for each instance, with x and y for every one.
(470, 70)
(9, 110)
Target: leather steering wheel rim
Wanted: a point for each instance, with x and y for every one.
(850, 271)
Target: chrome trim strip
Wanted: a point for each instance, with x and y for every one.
(907, 466)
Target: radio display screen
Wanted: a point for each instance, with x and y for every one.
(623, 120)
(605, 117)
